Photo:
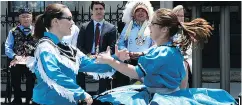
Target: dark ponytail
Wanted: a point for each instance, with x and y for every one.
(43, 21)
(39, 27)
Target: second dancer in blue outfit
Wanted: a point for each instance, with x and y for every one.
(162, 69)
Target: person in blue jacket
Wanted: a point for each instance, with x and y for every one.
(135, 36)
(19, 45)
(56, 63)
(162, 69)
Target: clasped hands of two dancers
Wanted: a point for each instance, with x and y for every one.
(106, 58)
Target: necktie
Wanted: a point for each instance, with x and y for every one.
(97, 35)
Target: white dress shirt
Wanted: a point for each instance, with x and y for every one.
(72, 39)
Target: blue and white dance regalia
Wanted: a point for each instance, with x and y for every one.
(56, 65)
(162, 71)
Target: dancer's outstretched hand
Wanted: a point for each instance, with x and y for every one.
(88, 99)
(104, 57)
(122, 54)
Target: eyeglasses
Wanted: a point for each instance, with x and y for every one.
(153, 23)
(68, 18)
(25, 17)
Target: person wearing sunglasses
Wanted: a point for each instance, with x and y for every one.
(56, 63)
(72, 39)
(162, 67)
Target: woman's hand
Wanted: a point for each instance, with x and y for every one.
(18, 60)
(122, 54)
(104, 57)
(88, 99)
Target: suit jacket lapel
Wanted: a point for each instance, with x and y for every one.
(90, 34)
(104, 31)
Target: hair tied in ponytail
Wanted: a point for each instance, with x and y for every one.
(190, 33)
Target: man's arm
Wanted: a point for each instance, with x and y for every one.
(113, 39)
(121, 39)
(9, 45)
(80, 40)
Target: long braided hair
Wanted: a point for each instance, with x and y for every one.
(194, 31)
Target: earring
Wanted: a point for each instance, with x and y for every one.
(46, 29)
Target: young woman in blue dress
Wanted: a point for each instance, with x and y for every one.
(161, 68)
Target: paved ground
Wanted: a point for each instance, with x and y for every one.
(235, 88)
(210, 80)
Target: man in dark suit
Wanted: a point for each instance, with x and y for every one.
(94, 37)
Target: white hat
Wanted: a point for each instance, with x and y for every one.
(132, 6)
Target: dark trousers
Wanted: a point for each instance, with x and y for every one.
(189, 74)
(80, 79)
(16, 73)
(190, 78)
(104, 85)
(120, 79)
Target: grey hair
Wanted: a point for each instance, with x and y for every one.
(177, 9)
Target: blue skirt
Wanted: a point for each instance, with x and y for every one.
(139, 95)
